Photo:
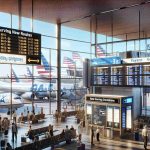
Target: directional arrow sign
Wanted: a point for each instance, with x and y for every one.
(33, 60)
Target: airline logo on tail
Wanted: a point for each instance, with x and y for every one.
(45, 69)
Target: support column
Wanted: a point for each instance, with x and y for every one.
(59, 66)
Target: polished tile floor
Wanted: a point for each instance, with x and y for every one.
(105, 144)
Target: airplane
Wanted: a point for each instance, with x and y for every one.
(40, 88)
(5, 100)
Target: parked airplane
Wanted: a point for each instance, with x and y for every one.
(5, 100)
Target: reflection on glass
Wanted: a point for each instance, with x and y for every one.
(109, 116)
(89, 113)
(99, 116)
(116, 117)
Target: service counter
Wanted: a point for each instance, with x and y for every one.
(112, 113)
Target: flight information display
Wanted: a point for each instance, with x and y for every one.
(102, 76)
(116, 75)
(20, 43)
(136, 75)
(133, 75)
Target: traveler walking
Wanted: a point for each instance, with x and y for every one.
(97, 134)
(14, 131)
(145, 136)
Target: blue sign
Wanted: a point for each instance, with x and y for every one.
(127, 100)
(123, 117)
(105, 61)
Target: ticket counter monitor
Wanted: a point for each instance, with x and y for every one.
(112, 113)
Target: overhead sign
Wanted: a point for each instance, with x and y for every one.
(103, 100)
(105, 61)
(136, 60)
(12, 59)
(17, 42)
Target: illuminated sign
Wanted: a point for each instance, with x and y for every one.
(136, 60)
(12, 59)
(105, 61)
(103, 100)
(127, 100)
(17, 42)
(123, 117)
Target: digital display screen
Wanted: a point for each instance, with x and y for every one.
(123, 117)
(19, 42)
(116, 76)
(128, 116)
(121, 75)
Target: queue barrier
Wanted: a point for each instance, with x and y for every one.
(51, 141)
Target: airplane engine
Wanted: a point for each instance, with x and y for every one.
(27, 95)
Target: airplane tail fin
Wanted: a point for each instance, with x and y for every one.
(14, 77)
(29, 73)
(44, 69)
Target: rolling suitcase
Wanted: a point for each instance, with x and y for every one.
(82, 147)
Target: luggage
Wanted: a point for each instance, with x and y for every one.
(23, 139)
(6, 132)
(2, 143)
(82, 147)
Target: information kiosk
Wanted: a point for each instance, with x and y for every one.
(112, 113)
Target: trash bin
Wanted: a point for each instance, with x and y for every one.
(136, 136)
(109, 133)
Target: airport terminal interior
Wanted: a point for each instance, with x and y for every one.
(74, 74)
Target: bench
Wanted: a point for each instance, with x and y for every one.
(79, 115)
(35, 120)
(51, 141)
(40, 131)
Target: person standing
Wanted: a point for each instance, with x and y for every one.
(97, 134)
(80, 129)
(14, 131)
(14, 117)
(92, 135)
(56, 115)
(145, 136)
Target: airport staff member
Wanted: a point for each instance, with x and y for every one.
(145, 136)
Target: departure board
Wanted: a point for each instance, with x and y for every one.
(135, 75)
(117, 75)
(101, 76)
(20, 43)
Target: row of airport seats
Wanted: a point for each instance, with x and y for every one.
(40, 131)
(50, 141)
(34, 119)
(78, 113)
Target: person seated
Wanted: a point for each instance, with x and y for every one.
(66, 128)
(72, 128)
(8, 147)
(63, 132)
(30, 133)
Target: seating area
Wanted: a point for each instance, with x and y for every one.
(51, 141)
(40, 131)
(34, 119)
(78, 113)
